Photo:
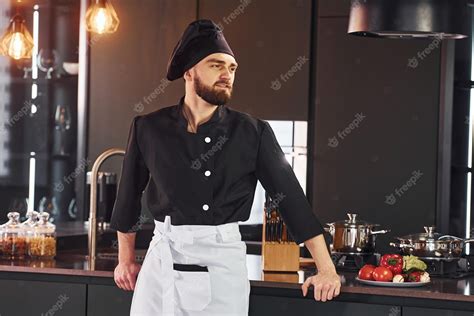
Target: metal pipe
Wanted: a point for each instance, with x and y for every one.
(92, 236)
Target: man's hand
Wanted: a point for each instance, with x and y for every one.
(327, 285)
(125, 275)
(126, 272)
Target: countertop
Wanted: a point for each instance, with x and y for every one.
(441, 289)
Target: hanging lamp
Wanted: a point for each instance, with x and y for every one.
(17, 42)
(101, 18)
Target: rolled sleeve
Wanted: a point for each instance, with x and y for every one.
(133, 180)
(279, 180)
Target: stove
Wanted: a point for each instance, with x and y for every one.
(450, 268)
(345, 261)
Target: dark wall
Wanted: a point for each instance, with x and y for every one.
(271, 42)
(395, 136)
(129, 65)
(128, 69)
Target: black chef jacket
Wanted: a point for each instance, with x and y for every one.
(208, 177)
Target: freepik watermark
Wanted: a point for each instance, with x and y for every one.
(341, 135)
(276, 84)
(421, 55)
(196, 163)
(91, 41)
(23, 111)
(63, 298)
(395, 311)
(138, 225)
(392, 198)
(140, 105)
(83, 163)
(275, 201)
(240, 9)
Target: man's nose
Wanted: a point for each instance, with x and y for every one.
(226, 74)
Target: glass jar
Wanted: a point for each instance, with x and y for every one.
(27, 226)
(42, 244)
(1, 239)
(13, 238)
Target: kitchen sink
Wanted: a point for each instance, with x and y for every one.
(108, 254)
(139, 256)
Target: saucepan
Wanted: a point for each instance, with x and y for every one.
(353, 235)
(431, 244)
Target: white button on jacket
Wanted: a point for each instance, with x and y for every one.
(171, 163)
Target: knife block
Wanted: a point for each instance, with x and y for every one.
(279, 256)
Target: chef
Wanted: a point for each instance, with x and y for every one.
(200, 161)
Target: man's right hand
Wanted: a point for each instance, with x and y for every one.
(125, 275)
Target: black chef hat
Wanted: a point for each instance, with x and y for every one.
(200, 39)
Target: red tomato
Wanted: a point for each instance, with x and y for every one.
(365, 273)
(383, 274)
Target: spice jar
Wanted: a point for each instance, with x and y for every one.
(2, 227)
(13, 238)
(43, 242)
(27, 226)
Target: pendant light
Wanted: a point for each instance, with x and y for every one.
(101, 18)
(407, 19)
(17, 41)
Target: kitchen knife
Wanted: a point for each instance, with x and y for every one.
(278, 231)
(284, 236)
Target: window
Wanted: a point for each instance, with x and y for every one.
(292, 137)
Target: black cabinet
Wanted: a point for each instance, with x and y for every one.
(284, 306)
(32, 298)
(271, 41)
(417, 311)
(108, 300)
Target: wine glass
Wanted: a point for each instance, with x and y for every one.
(48, 61)
(19, 205)
(62, 118)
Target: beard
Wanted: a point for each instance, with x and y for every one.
(212, 95)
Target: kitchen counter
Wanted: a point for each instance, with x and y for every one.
(443, 289)
(453, 294)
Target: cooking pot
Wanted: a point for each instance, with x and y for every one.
(353, 235)
(431, 244)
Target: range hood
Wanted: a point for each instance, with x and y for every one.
(444, 19)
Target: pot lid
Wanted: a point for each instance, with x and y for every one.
(430, 235)
(405, 19)
(352, 221)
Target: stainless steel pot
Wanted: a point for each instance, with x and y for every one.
(353, 235)
(431, 244)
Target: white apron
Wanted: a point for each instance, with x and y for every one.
(166, 287)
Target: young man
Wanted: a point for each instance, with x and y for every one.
(201, 161)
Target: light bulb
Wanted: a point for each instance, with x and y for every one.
(17, 41)
(101, 18)
(17, 46)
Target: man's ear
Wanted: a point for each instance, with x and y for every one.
(187, 75)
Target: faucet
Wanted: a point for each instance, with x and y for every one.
(92, 235)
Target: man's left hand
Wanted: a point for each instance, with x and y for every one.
(327, 285)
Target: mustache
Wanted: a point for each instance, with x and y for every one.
(227, 83)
